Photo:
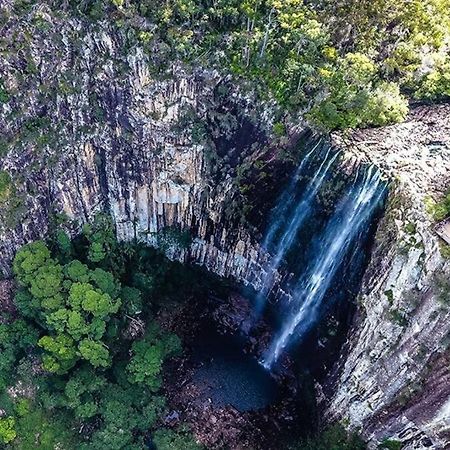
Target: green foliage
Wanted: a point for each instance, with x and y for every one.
(62, 354)
(398, 317)
(7, 429)
(47, 283)
(385, 106)
(15, 339)
(279, 129)
(293, 51)
(94, 352)
(165, 439)
(64, 246)
(36, 429)
(77, 272)
(4, 95)
(74, 320)
(411, 228)
(97, 252)
(298, 52)
(132, 300)
(445, 250)
(29, 260)
(95, 9)
(435, 84)
(390, 444)
(101, 237)
(355, 97)
(81, 392)
(439, 210)
(5, 185)
(74, 302)
(148, 355)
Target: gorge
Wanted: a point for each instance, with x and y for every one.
(334, 274)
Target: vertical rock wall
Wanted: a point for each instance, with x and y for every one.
(392, 382)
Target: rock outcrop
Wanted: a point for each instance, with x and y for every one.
(143, 151)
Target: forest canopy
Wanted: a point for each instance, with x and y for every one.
(342, 64)
(81, 356)
(346, 64)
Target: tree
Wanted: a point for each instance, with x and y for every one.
(148, 355)
(132, 300)
(95, 352)
(105, 281)
(73, 302)
(356, 97)
(97, 252)
(435, 83)
(102, 242)
(146, 364)
(391, 444)
(385, 106)
(62, 353)
(99, 304)
(74, 307)
(64, 246)
(38, 429)
(26, 304)
(82, 392)
(77, 272)
(7, 429)
(29, 259)
(15, 339)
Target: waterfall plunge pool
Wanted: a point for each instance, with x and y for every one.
(227, 375)
(219, 388)
(227, 397)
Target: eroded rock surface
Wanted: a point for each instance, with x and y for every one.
(399, 340)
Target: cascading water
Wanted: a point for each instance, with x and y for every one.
(278, 214)
(351, 216)
(290, 228)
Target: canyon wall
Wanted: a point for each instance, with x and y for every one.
(98, 131)
(140, 161)
(393, 381)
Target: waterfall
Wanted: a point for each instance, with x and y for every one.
(352, 214)
(283, 203)
(295, 220)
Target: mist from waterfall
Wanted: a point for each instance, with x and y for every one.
(286, 221)
(350, 219)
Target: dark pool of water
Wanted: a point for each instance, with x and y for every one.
(228, 376)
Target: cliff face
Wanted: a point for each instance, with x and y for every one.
(140, 149)
(93, 128)
(394, 380)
